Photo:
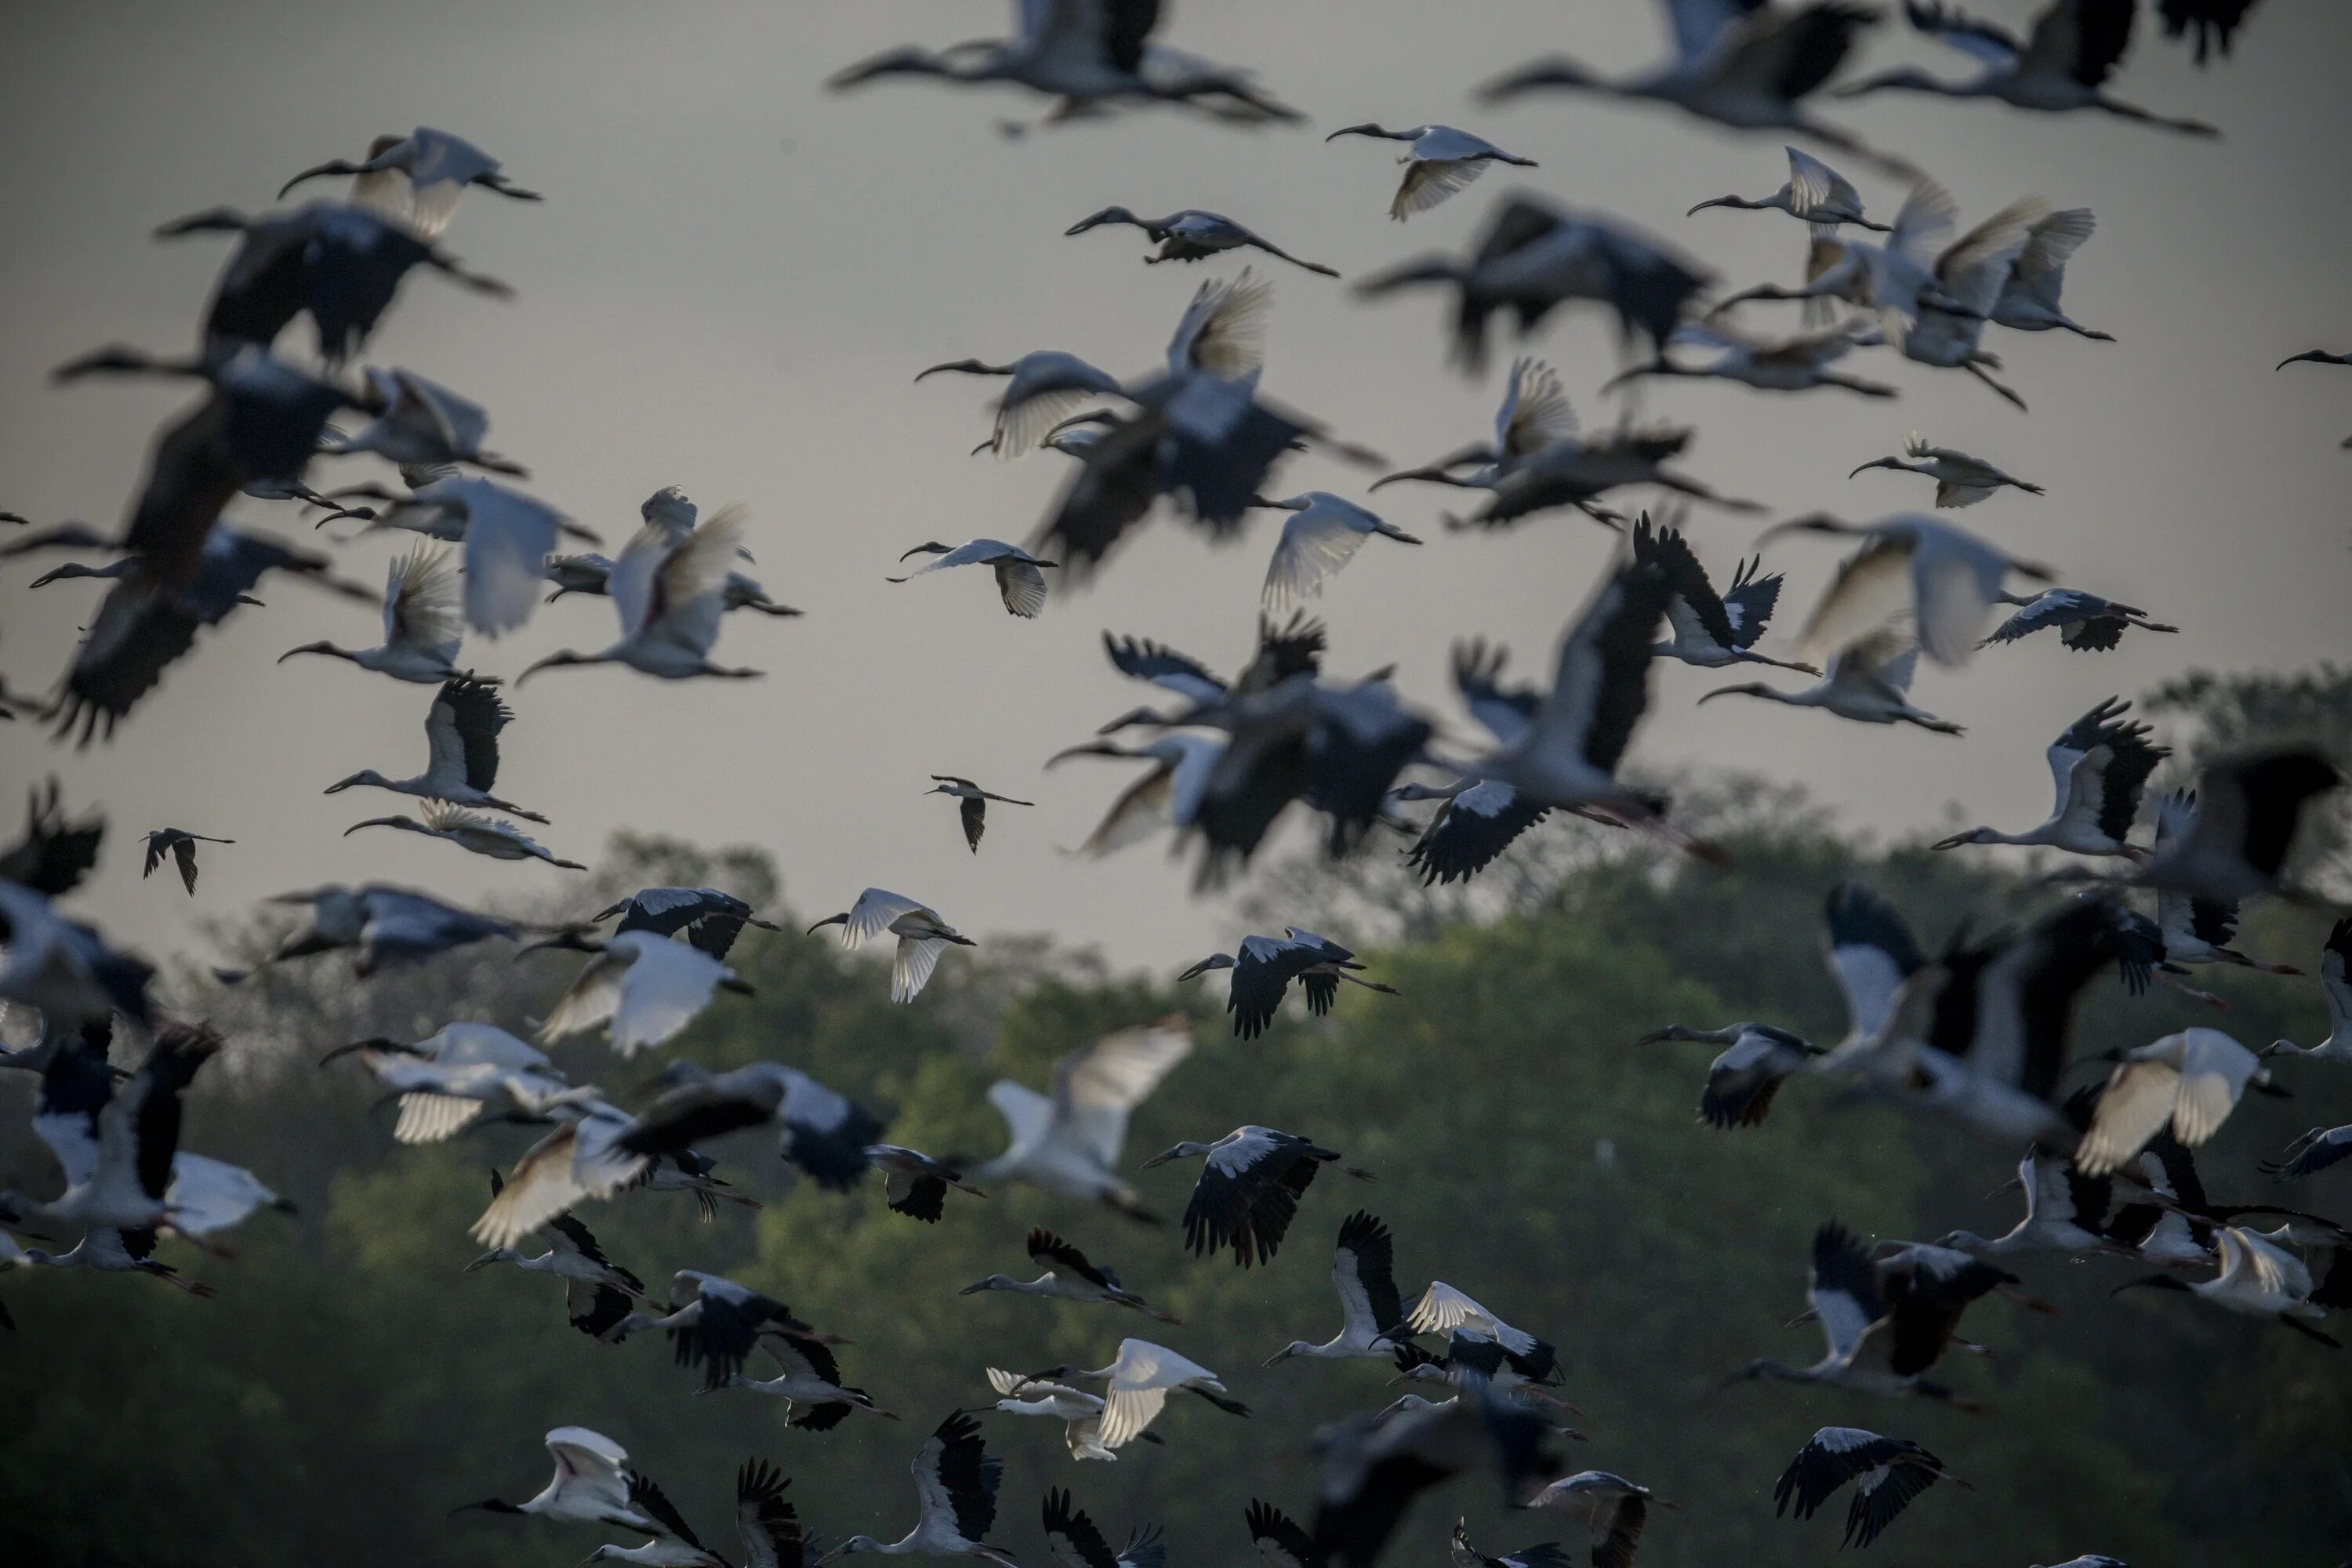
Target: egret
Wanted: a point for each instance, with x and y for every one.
(461, 736)
(1250, 1184)
(1614, 1509)
(2336, 984)
(1960, 480)
(472, 832)
(921, 936)
(1741, 1083)
(2063, 66)
(1948, 578)
(597, 1292)
(1070, 1141)
(591, 1484)
(1192, 235)
(1889, 1473)
(671, 593)
(2085, 622)
(2258, 1279)
(2101, 766)
(2192, 1080)
(972, 803)
(808, 1379)
(445, 1080)
(1371, 1313)
(1077, 1542)
(1843, 1290)
(416, 180)
(1137, 1382)
(1046, 384)
(424, 623)
(1020, 576)
(1535, 413)
(1815, 193)
(956, 1481)
(1264, 967)
(1439, 162)
(1068, 1277)
(2028, 299)
(181, 846)
(1797, 363)
(1868, 681)
(915, 1184)
(1706, 628)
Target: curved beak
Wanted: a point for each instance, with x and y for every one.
(1366, 129)
(289, 653)
(1199, 969)
(531, 670)
(1091, 749)
(1874, 463)
(1714, 201)
(318, 171)
(839, 920)
(1954, 842)
(483, 1261)
(373, 822)
(1727, 691)
(974, 1289)
(1158, 1159)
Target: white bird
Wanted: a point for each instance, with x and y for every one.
(956, 1481)
(2261, 1281)
(1706, 628)
(1868, 681)
(921, 936)
(419, 424)
(1439, 162)
(2336, 984)
(642, 987)
(1742, 1083)
(1167, 793)
(424, 622)
(574, 1163)
(1139, 1381)
(1068, 1277)
(106, 1250)
(472, 832)
(2085, 622)
(1250, 1184)
(715, 1323)
(508, 537)
(2059, 1201)
(2101, 767)
(1322, 535)
(1534, 414)
(1947, 577)
(206, 1195)
(1870, 953)
(590, 1485)
(972, 804)
(1889, 1473)
(2061, 65)
(1371, 1313)
(417, 179)
(1266, 965)
(1079, 1412)
(1070, 1141)
(2191, 1079)
(1814, 193)
(671, 593)
(1020, 576)
(445, 1080)
(62, 967)
(1960, 480)
(1194, 234)
(461, 738)
(1046, 386)
(597, 1292)
(2028, 299)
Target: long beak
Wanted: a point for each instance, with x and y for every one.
(317, 171)
(1198, 968)
(1714, 201)
(533, 670)
(1874, 463)
(1954, 842)
(1653, 1036)
(485, 1260)
(974, 1289)
(1278, 1357)
(840, 920)
(1158, 1159)
(374, 822)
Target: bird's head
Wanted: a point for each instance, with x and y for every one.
(552, 661)
(1369, 128)
(1730, 201)
(1188, 1150)
(1295, 1347)
(1973, 835)
(1109, 215)
(932, 548)
(1878, 463)
(2313, 356)
(840, 920)
(1671, 1032)
(1214, 961)
(365, 776)
(408, 823)
(487, 1505)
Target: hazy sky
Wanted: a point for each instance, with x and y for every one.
(735, 275)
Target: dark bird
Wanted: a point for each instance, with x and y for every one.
(1248, 1190)
(2085, 623)
(1889, 1473)
(1192, 235)
(1264, 967)
(1068, 1277)
(1741, 1082)
(1077, 1542)
(1374, 1468)
(597, 1292)
(181, 846)
(708, 919)
(973, 803)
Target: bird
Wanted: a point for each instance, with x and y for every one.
(708, 919)
(2064, 1210)
(1948, 578)
(714, 1322)
(1068, 1277)
(1046, 384)
(1264, 967)
(1279, 1540)
(445, 1080)
(1544, 1555)
(2259, 1279)
(821, 1130)
(63, 967)
(419, 423)
(1917, 268)
(1889, 1473)
(1070, 1141)
(2101, 766)
(2061, 65)
(2236, 843)
(808, 1379)
(108, 1250)
(2028, 299)
(1284, 649)
(770, 1526)
(417, 180)
(1843, 1290)
(1371, 1313)
(641, 988)
(461, 737)
(1535, 413)
(1748, 67)
(382, 924)
(1868, 681)
(1322, 535)
(956, 1480)
(915, 1184)
(1167, 793)
(1615, 1510)
(1137, 1385)
(116, 1146)
(1077, 1542)
(424, 623)
(1535, 257)
(1375, 1466)
(1020, 576)
(1079, 1412)
(1706, 628)
(2336, 985)
(1193, 236)
(1524, 1370)
(1478, 821)
(472, 832)
(1960, 480)
(508, 537)
(921, 935)
(1438, 161)
(2191, 1079)
(1742, 1083)
(590, 1485)
(597, 1292)
(1444, 1309)
(671, 593)
(2312, 1153)
(972, 803)
(181, 846)
(205, 1196)
(1797, 364)
(2085, 622)
(1815, 194)
(1250, 1184)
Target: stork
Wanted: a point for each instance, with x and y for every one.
(1742, 1083)
(1375, 1466)
(671, 593)
(1960, 480)
(1167, 793)
(820, 1130)
(2029, 301)
(915, 1184)
(590, 1485)
(715, 1323)
(1322, 535)
(1020, 576)
(1068, 1277)
(1815, 194)
(808, 1380)
(2336, 984)
(1077, 1543)
(708, 919)
(461, 737)
(417, 180)
(472, 832)
(1534, 414)
(382, 924)
(116, 1147)
(1889, 1473)
(2101, 766)
(106, 1250)
(1868, 681)
(921, 936)
(1799, 363)
(1478, 821)
(1264, 966)
(770, 1526)
(424, 623)
(1250, 1185)
(2235, 844)
(421, 424)
(1706, 628)
(972, 803)
(1371, 1313)
(1046, 386)
(181, 846)
(1194, 234)
(1843, 1290)
(1070, 1141)
(1615, 1509)
(1438, 161)
(597, 1292)
(1079, 1412)
(2085, 622)
(1137, 1385)
(956, 1481)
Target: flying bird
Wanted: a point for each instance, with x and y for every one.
(2085, 622)
(1193, 236)
(1960, 480)
(1137, 1385)
(1068, 1277)
(1438, 161)
(1371, 1313)
(671, 593)
(2101, 765)
(1868, 681)
(1889, 1473)
(1070, 1141)
(417, 180)
(921, 936)
(2191, 1081)
(1321, 535)
(1020, 576)
(472, 832)
(1948, 578)
(956, 1481)
(641, 988)
(2336, 985)
(597, 1292)
(1044, 385)
(1742, 1083)
(424, 623)
(181, 846)
(1250, 1184)
(972, 803)
(1264, 966)
(1815, 194)
(461, 737)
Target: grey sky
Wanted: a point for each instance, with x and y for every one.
(735, 274)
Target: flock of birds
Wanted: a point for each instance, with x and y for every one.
(1975, 1035)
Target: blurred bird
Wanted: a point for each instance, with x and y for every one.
(1250, 1185)
(641, 988)
(417, 180)
(1070, 1142)
(1889, 1473)
(1439, 162)
(671, 593)
(1068, 1277)
(2085, 621)
(1948, 578)
(1265, 966)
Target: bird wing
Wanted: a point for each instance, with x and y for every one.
(1363, 1271)
(1843, 1289)
(424, 605)
(1536, 412)
(2336, 978)
(2041, 265)
(508, 537)
(1021, 587)
(912, 966)
(1696, 611)
(1749, 603)
(1470, 830)
(2213, 1073)
(207, 1194)
(1601, 685)
(2139, 1100)
(770, 1526)
(1315, 545)
(1095, 1086)
(1873, 585)
(1074, 1539)
(1834, 1455)
(1048, 1250)
(1927, 216)
(593, 997)
(1164, 667)
(590, 1462)
(1222, 331)
(1973, 268)
(1428, 182)
(690, 582)
(1028, 1116)
(1698, 25)
(955, 1480)
(661, 991)
(1995, 47)
(2084, 39)
(1887, 1492)
(877, 909)
(461, 733)
(1814, 184)
(76, 1087)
